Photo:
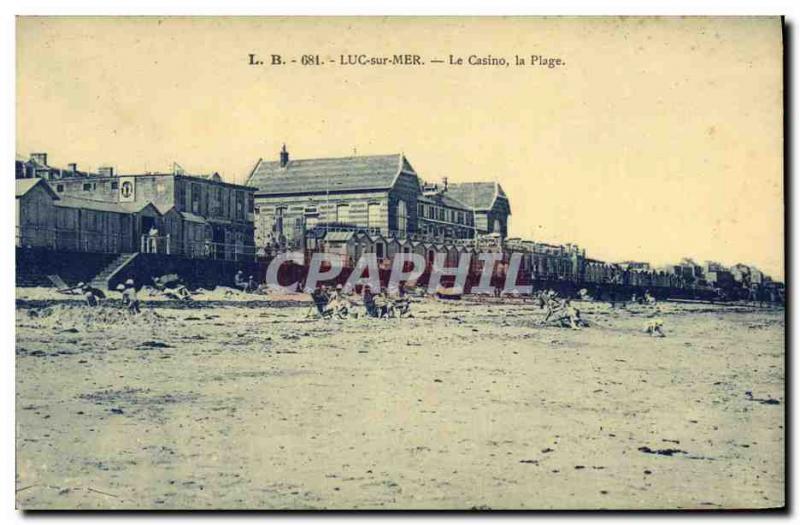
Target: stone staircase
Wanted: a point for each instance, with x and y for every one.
(102, 279)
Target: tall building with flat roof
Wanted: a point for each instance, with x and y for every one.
(195, 216)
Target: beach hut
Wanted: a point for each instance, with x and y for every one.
(406, 246)
(451, 252)
(392, 247)
(342, 246)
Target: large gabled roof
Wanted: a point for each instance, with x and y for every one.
(373, 172)
(23, 186)
(477, 195)
(444, 199)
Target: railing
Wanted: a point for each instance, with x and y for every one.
(321, 229)
(154, 244)
(101, 242)
(72, 240)
(220, 250)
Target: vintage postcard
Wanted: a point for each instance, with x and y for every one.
(456, 263)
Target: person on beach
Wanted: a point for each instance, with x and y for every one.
(572, 315)
(369, 302)
(552, 304)
(336, 294)
(121, 289)
(655, 324)
(130, 298)
(383, 305)
(320, 299)
(239, 281)
(338, 304)
(91, 295)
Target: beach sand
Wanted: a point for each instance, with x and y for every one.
(230, 404)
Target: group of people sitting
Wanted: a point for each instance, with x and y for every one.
(564, 313)
(92, 296)
(559, 310)
(172, 287)
(248, 285)
(130, 299)
(330, 302)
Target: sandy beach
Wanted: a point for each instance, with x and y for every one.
(229, 404)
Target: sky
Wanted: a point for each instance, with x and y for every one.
(657, 139)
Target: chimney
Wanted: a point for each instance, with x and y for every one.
(73, 167)
(284, 156)
(40, 158)
(444, 182)
(105, 171)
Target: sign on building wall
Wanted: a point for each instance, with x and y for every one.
(127, 189)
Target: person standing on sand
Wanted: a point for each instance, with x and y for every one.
(129, 297)
(121, 290)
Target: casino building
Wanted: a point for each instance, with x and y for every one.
(375, 194)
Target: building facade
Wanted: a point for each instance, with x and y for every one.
(167, 213)
(378, 194)
(488, 202)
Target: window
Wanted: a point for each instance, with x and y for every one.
(402, 216)
(59, 188)
(374, 215)
(195, 190)
(312, 217)
(379, 250)
(217, 208)
(343, 213)
(421, 210)
(87, 187)
(115, 185)
(279, 212)
(239, 205)
(180, 199)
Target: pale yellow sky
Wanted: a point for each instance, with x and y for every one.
(659, 138)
